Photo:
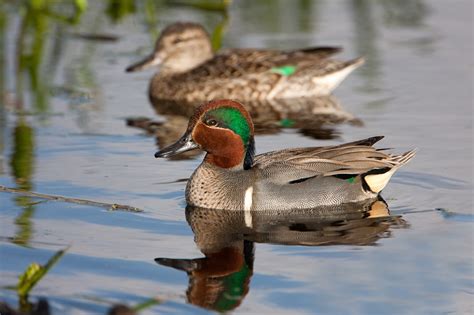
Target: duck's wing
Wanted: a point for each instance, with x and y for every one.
(280, 57)
(297, 154)
(344, 161)
(235, 63)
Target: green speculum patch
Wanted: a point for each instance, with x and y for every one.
(234, 120)
(351, 179)
(284, 70)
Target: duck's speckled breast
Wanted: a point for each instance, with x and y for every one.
(213, 187)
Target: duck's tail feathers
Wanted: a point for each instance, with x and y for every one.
(323, 51)
(354, 63)
(376, 180)
(368, 141)
(336, 73)
(403, 158)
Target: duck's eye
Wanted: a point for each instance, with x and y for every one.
(176, 40)
(211, 122)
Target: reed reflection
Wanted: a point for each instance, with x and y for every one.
(221, 279)
(36, 61)
(22, 165)
(3, 91)
(37, 27)
(368, 30)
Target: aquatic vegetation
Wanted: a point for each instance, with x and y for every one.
(34, 273)
(31, 276)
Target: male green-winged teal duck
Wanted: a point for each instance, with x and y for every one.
(232, 177)
(190, 71)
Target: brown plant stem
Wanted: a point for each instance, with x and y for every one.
(108, 206)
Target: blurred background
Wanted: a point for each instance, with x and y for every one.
(65, 100)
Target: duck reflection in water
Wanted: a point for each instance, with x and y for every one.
(316, 117)
(220, 280)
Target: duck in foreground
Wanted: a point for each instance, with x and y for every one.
(191, 72)
(232, 177)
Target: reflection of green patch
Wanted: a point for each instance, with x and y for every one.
(284, 70)
(287, 122)
(235, 286)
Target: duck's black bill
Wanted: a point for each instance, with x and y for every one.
(184, 144)
(146, 63)
(187, 265)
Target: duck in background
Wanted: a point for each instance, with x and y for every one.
(232, 177)
(191, 72)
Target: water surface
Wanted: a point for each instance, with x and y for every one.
(72, 140)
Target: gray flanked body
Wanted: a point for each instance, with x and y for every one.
(215, 188)
(297, 178)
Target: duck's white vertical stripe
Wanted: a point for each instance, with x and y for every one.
(248, 200)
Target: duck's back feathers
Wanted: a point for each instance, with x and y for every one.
(323, 51)
(235, 63)
(305, 155)
(344, 161)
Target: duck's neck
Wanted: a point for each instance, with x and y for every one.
(240, 158)
(184, 62)
(249, 154)
(232, 162)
